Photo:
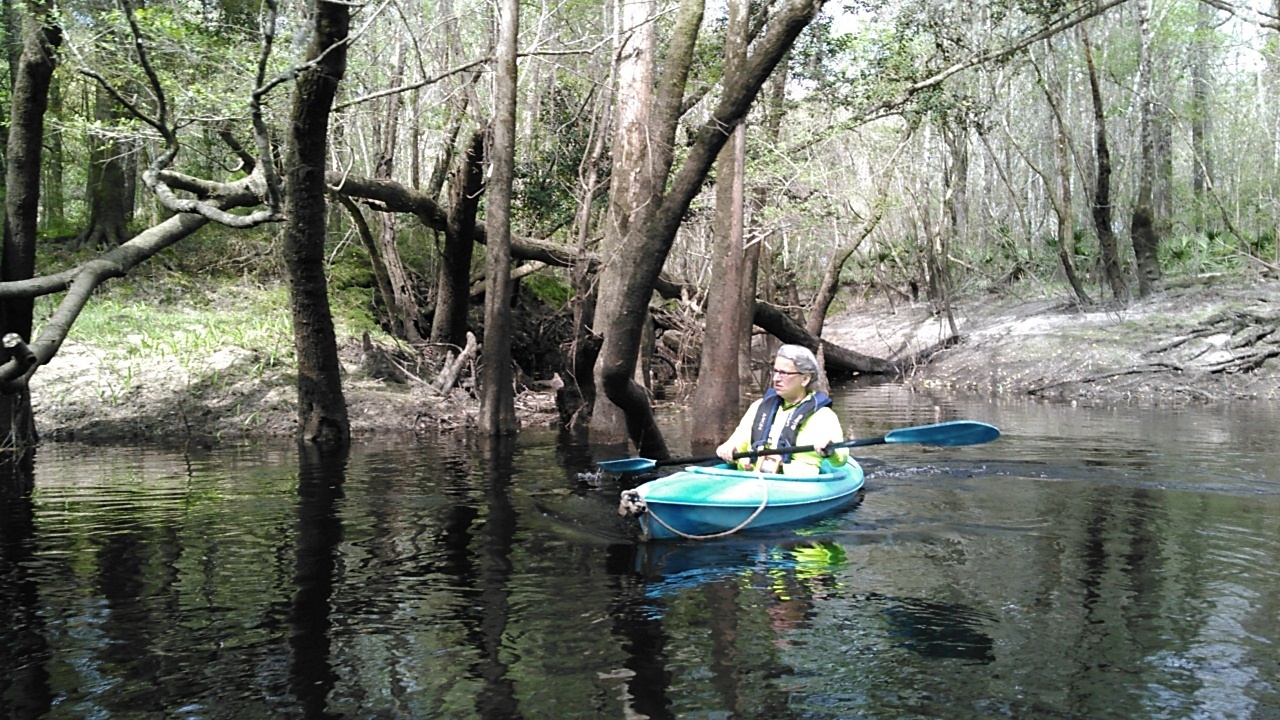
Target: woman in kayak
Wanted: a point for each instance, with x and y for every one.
(789, 415)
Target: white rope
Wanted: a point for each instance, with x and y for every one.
(632, 503)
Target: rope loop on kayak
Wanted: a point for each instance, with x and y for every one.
(633, 504)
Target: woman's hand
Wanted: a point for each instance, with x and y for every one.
(725, 452)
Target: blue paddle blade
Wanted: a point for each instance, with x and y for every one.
(627, 465)
(947, 434)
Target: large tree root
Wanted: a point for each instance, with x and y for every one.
(1251, 340)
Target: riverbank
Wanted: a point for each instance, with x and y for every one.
(1204, 339)
(1208, 339)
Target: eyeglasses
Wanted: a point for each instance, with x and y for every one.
(787, 373)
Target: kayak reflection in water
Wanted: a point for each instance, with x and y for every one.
(790, 414)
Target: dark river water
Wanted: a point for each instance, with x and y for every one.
(1118, 563)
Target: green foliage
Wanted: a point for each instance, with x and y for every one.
(548, 289)
(540, 328)
(1194, 253)
(349, 267)
(546, 175)
(1086, 249)
(353, 311)
(1264, 243)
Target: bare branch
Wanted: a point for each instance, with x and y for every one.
(891, 105)
(261, 135)
(1257, 17)
(418, 84)
(155, 178)
(162, 105)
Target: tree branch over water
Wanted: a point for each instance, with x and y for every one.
(81, 281)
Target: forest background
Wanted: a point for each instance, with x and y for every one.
(598, 200)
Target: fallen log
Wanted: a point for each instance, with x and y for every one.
(840, 362)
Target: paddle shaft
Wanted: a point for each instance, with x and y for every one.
(770, 451)
(946, 434)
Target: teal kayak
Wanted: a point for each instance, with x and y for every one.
(706, 502)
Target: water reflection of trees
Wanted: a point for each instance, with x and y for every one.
(24, 679)
(747, 622)
(498, 700)
(426, 583)
(317, 537)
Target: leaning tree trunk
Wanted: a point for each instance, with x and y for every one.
(1061, 197)
(30, 97)
(322, 409)
(380, 276)
(453, 295)
(1066, 219)
(403, 309)
(831, 277)
(497, 394)
(1102, 187)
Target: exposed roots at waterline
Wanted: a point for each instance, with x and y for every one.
(1231, 342)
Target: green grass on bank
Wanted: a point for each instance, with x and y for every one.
(225, 289)
(165, 350)
(214, 291)
(187, 333)
(122, 325)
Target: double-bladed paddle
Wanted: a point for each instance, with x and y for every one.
(947, 434)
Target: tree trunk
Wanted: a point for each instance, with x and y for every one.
(1062, 207)
(497, 396)
(831, 277)
(463, 96)
(635, 270)
(1143, 229)
(775, 109)
(322, 409)
(29, 97)
(54, 195)
(381, 278)
(1201, 161)
(955, 224)
(1107, 249)
(630, 196)
(576, 398)
(404, 310)
(718, 395)
(838, 360)
(106, 182)
(453, 296)
(1060, 197)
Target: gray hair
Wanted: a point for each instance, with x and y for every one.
(804, 359)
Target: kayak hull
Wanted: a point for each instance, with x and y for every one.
(704, 502)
